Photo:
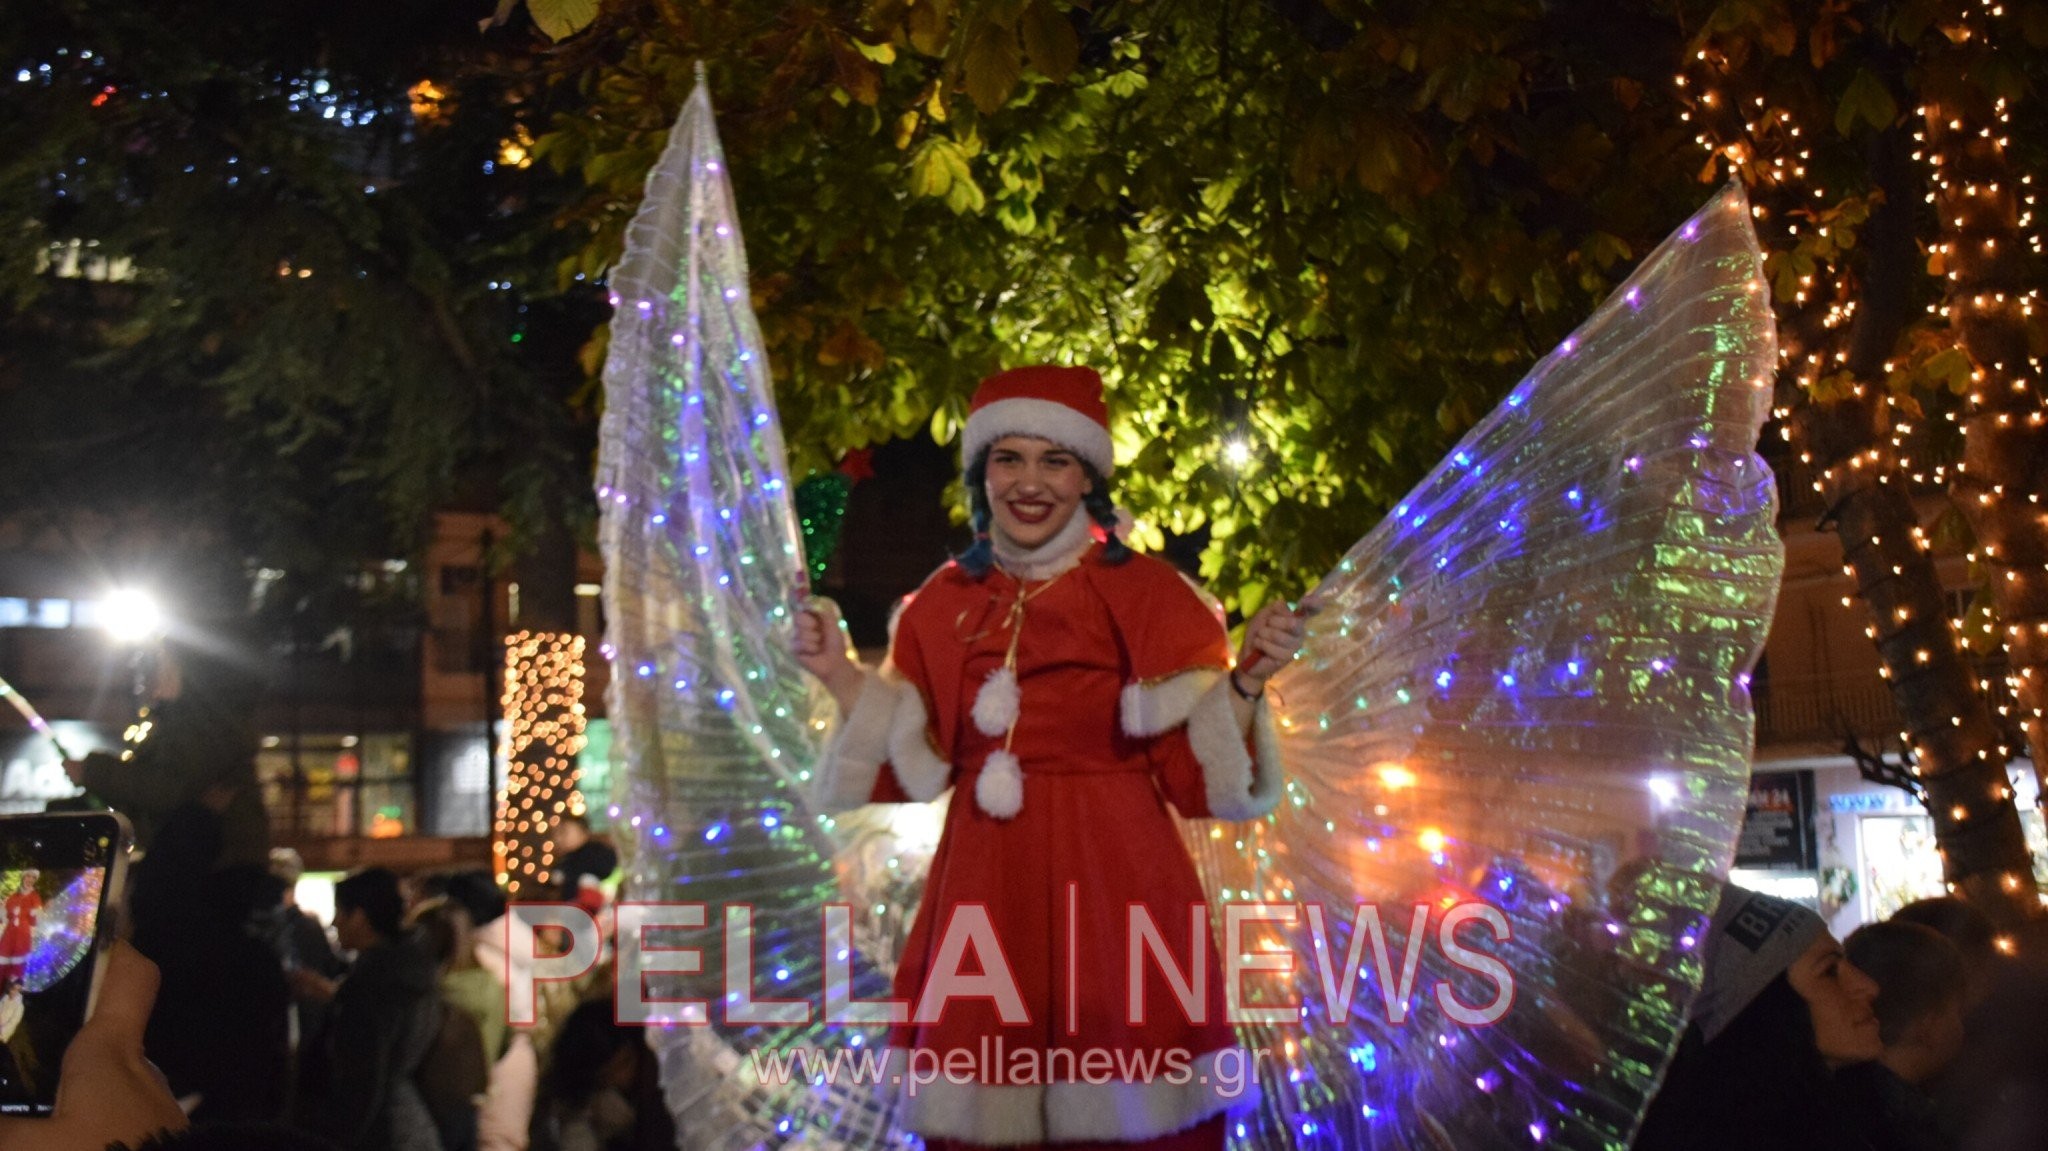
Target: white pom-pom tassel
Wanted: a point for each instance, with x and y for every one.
(1000, 790)
(995, 705)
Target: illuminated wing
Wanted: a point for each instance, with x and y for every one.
(715, 724)
(1528, 687)
(64, 931)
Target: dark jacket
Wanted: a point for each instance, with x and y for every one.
(360, 1074)
(190, 747)
(1890, 1113)
(220, 1027)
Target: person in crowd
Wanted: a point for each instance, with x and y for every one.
(1996, 1095)
(582, 862)
(1780, 1011)
(303, 941)
(358, 1076)
(599, 1091)
(221, 1030)
(455, 1077)
(196, 736)
(1969, 931)
(1920, 1018)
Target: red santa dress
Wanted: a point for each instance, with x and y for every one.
(18, 933)
(1120, 708)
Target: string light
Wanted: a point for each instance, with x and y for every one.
(1972, 341)
(544, 725)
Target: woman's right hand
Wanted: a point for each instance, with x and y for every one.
(820, 645)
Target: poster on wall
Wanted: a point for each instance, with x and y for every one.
(1777, 827)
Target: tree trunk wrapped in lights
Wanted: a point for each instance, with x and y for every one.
(1861, 356)
(543, 703)
(1992, 268)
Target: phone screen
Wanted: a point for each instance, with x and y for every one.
(56, 874)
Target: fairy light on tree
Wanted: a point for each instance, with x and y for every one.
(1867, 351)
(544, 722)
(1989, 261)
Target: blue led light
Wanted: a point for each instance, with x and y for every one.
(712, 833)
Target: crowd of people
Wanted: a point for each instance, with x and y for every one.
(383, 1030)
(387, 1031)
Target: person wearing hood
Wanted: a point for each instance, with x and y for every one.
(1780, 1012)
(382, 1020)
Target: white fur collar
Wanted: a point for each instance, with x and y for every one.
(1048, 559)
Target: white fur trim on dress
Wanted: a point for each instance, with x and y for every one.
(1025, 416)
(1154, 708)
(995, 705)
(919, 767)
(1007, 1115)
(1240, 784)
(853, 760)
(1000, 790)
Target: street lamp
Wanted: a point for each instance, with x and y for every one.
(132, 616)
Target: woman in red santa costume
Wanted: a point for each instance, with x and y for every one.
(18, 927)
(1070, 692)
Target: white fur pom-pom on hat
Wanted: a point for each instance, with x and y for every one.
(1000, 790)
(996, 704)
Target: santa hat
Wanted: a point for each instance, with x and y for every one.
(1063, 405)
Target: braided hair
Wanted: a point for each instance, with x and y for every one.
(981, 554)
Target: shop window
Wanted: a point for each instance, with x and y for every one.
(344, 786)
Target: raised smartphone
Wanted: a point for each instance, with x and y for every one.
(60, 876)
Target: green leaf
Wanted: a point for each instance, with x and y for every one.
(1951, 368)
(561, 19)
(965, 195)
(933, 165)
(1049, 41)
(1868, 100)
(993, 65)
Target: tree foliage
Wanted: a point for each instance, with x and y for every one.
(1307, 245)
(321, 331)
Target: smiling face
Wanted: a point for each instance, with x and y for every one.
(1034, 487)
(1839, 996)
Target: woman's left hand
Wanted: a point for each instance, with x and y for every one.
(1271, 640)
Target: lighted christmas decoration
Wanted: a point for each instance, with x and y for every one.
(1861, 402)
(544, 723)
(1527, 687)
(1990, 259)
(821, 510)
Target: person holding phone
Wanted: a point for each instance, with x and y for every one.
(195, 742)
(1070, 692)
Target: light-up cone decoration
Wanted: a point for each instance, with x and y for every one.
(715, 727)
(1527, 691)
